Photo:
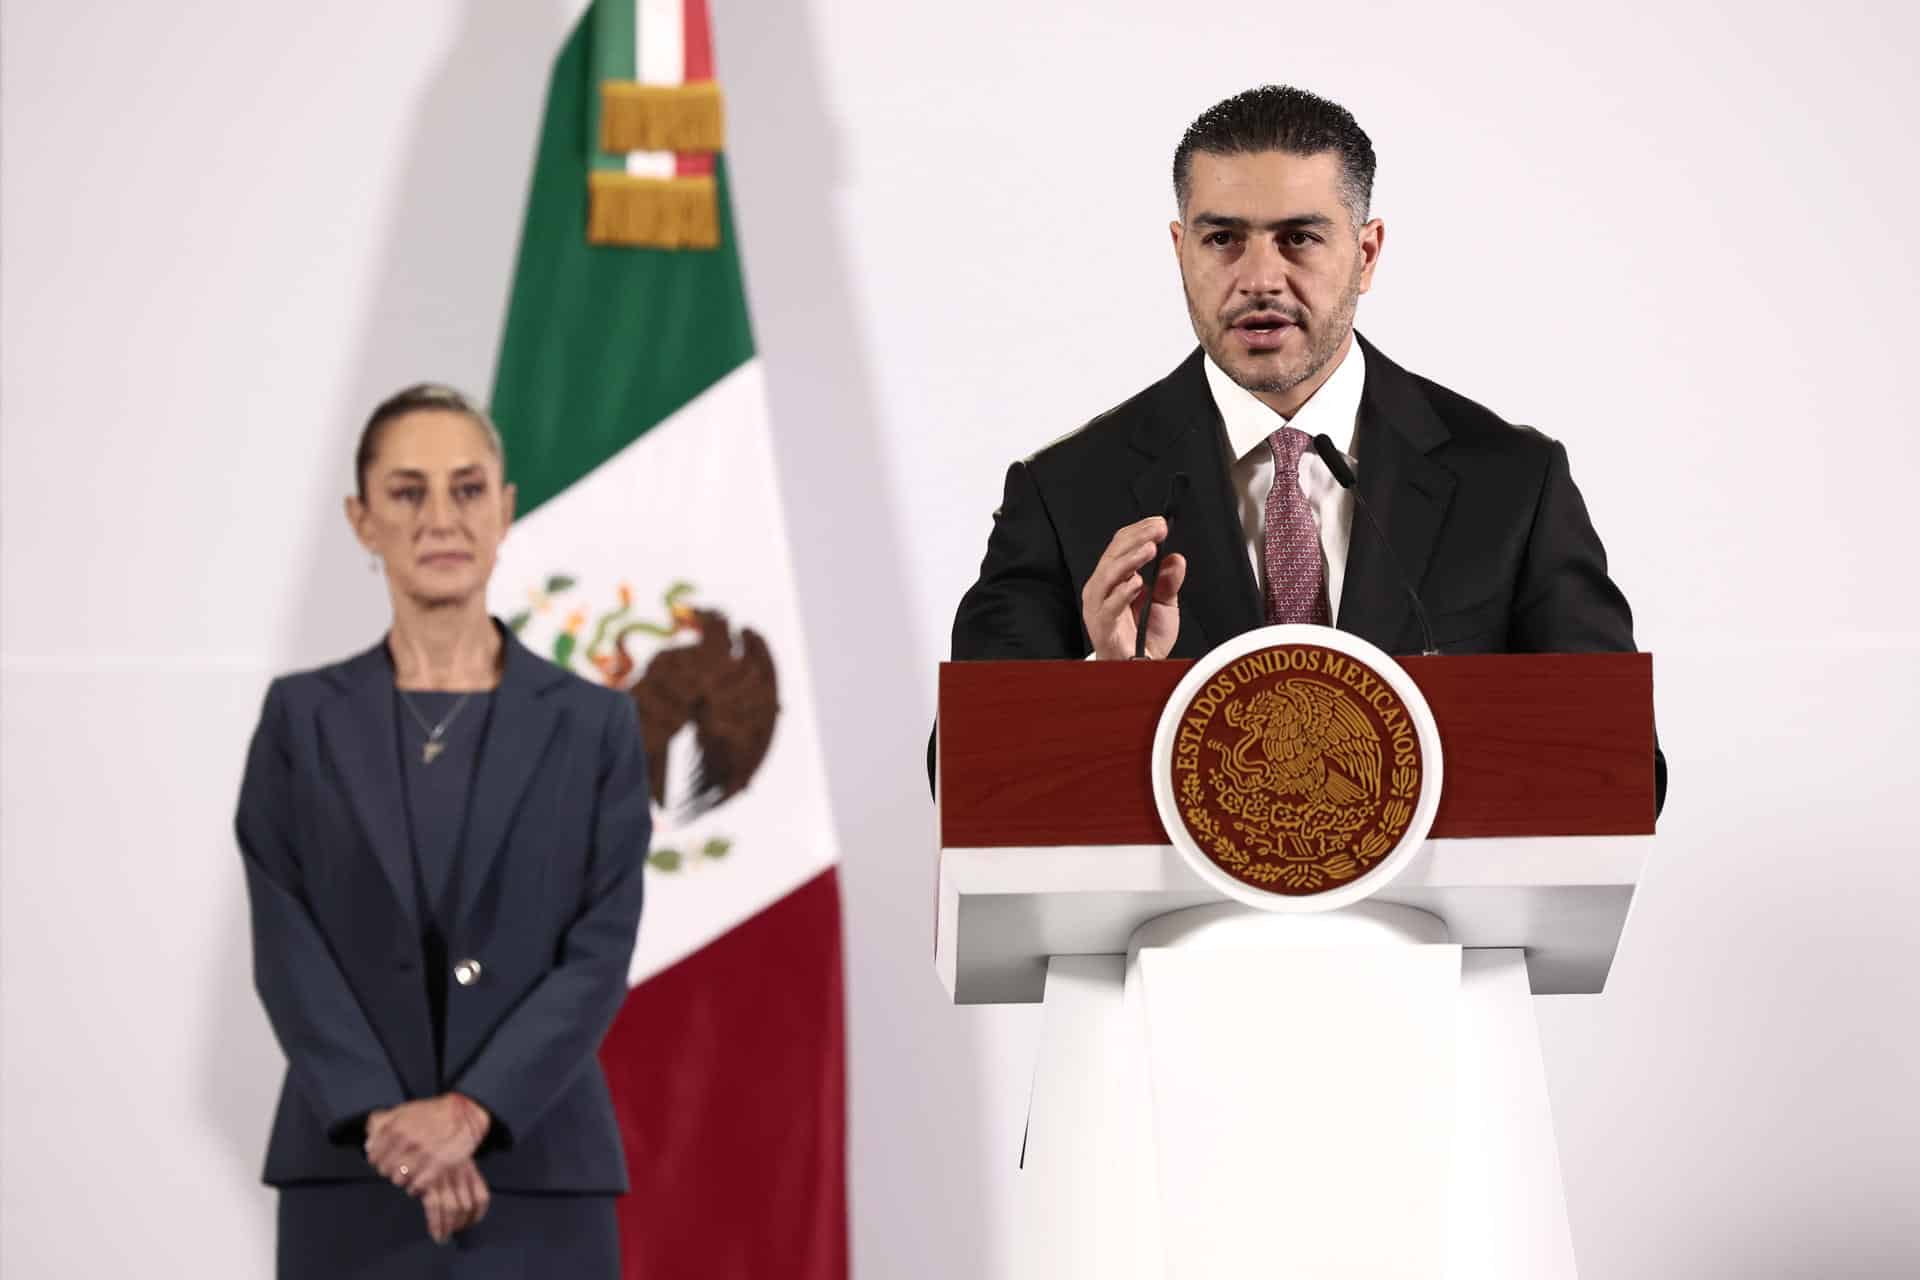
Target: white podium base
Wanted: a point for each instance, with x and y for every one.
(1387, 1117)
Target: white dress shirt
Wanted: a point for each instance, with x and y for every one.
(1333, 410)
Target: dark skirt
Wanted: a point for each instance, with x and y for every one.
(375, 1231)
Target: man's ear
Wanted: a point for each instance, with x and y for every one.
(1372, 237)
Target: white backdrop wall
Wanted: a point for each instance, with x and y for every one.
(1678, 240)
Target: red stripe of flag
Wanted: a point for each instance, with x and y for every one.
(728, 1075)
(696, 37)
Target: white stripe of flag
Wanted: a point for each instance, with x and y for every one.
(659, 57)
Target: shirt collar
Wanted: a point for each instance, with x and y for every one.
(1332, 410)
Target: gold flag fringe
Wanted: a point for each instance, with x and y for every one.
(652, 213)
(661, 117)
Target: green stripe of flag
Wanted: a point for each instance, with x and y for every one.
(615, 57)
(603, 343)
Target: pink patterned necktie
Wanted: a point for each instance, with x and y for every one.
(1296, 573)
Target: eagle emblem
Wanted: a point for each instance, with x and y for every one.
(706, 690)
(1310, 752)
(1296, 769)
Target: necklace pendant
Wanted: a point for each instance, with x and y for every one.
(430, 750)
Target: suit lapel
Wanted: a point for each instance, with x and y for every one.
(364, 742)
(524, 722)
(1408, 492)
(1182, 432)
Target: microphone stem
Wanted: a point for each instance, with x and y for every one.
(1406, 584)
(1336, 463)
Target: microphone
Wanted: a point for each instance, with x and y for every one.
(1152, 575)
(1343, 476)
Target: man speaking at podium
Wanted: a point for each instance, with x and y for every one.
(1213, 472)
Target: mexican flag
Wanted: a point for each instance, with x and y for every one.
(651, 556)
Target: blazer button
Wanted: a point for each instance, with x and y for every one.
(466, 972)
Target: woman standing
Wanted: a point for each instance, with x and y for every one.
(443, 840)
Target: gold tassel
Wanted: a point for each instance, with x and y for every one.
(661, 117)
(652, 213)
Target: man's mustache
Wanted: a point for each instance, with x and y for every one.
(1292, 315)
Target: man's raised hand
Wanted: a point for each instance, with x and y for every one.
(1110, 600)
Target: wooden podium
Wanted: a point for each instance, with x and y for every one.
(1057, 883)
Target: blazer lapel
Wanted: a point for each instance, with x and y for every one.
(1182, 432)
(363, 740)
(523, 725)
(1408, 493)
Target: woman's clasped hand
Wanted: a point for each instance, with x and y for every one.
(426, 1149)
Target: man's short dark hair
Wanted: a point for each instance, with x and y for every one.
(1278, 117)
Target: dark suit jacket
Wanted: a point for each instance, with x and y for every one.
(1484, 516)
(547, 899)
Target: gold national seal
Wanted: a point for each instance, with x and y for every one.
(1296, 769)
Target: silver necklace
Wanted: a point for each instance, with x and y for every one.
(433, 746)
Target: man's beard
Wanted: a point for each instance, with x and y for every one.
(1323, 343)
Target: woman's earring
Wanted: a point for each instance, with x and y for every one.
(373, 564)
